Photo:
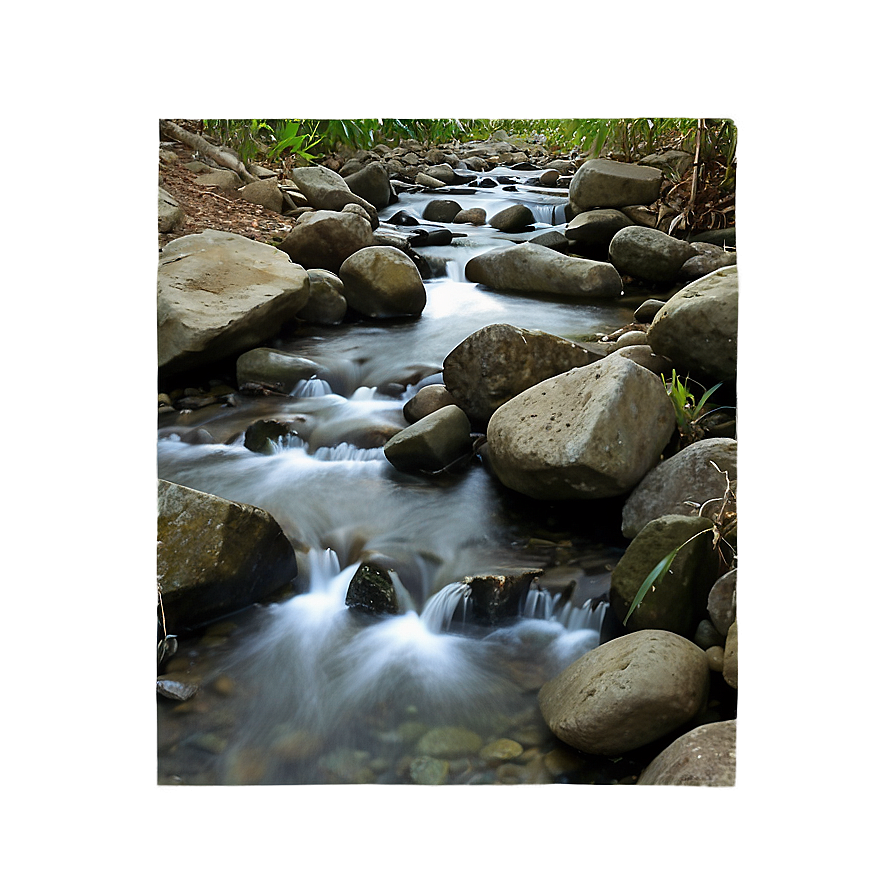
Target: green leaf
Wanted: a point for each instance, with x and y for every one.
(659, 570)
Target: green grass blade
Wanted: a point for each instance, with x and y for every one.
(659, 570)
(703, 399)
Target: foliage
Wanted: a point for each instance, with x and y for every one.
(167, 643)
(687, 408)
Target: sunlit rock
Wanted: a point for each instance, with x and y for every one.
(603, 183)
(704, 757)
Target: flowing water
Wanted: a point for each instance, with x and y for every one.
(304, 690)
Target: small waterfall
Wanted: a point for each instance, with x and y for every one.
(440, 608)
(343, 451)
(539, 603)
(323, 567)
(313, 388)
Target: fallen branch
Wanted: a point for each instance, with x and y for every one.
(194, 141)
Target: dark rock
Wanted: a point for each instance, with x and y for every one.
(432, 443)
(372, 590)
(443, 211)
(513, 219)
(552, 239)
(371, 183)
(648, 310)
(497, 596)
(263, 435)
(648, 254)
(273, 369)
(324, 239)
(403, 219)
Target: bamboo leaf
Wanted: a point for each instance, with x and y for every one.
(659, 570)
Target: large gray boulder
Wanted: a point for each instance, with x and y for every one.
(274, 369)
(688, 477)
(265, 193)
(326, 300)
(593, 432)
(649, 254)
(528, 267)
(597, 226)
(381, 281)
(442, 211)
(371, 183)
(677, 599)
(220, 294)
(703, 757)
(709, 258)
(697, 327)
(627, 693)
(431, 443)
(498, 362)
(513, 219)
(324, 239)
(216, 556)
(602, 183)
(316, 182)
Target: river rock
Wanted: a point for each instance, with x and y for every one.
(277, 370)
(529, 267)
(265, 193)
(709, 258)
(381, 281)
(426, 401)
(442, 211)
(316, 182)
(677, 599)
(325, 239)
(673, 162)
(430, 183)
(431, 443)
(729, 665)
(551, 239)
(632, 337)
(449, 742)
(603, 183)
(170, 213)
(688, 476)
(326, 300)
(427, 770)
(703, 757)
(649, 254)
(371, 183)
(496, 596)
(500, 361)
(228, 180)
(475, 216)
(263, 436)
(697, 327)
(220, 294)
(648, 310)
(216, 556)
(722, 602)
(443, 173)
(627, 693)
(512, 220)
(372, 590)
(593, 432)
(597, 226)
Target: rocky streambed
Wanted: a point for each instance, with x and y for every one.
(416, 459)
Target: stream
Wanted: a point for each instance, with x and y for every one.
(303, 690)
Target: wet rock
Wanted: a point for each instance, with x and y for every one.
(403, 219)
(426, 770)
(549, 177)
(530, 267)
(551, 239)
(500, 750)
(443, 173)
(216, 556)
(426, 401)
(265, 193)
(474, 216)
(371, 183)
(273, 369)
(449, 742)
(347, 766)
(326, 300)
(627, 693)
(497, 595)
(499, 361)
(724, 237)
(325, 239)
(442, 211)
(173, 689)
(602, 183)
(677, 599)
(263, 436)
(706, 635)
(297, 746)
(697, 327)
(381, 282)
(596, 227)
(512, 220)
(704, 757)
(431, 443)
(228, 180)
(220, 294)
(592, 432)
(647, 311)
(430, 183)
(562, 761)
(687, 478)
(710, 258)
(648, 254)
(170, 213)
(372, 590)
(722, 602)
(729, 664)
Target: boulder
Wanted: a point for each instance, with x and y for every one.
(428, 399)
(170, 213)
(274, 369)
(381, 281)
(646, 357)
(496, 596)
(228, 180)
(371, 183)
(709, 258)
(316, 182)
(649, 254)
(264, 436)
(326, 300)
(220, 294)
(512, 220)
(442, 211)
(475, 216)
(704, 757)
(529, 267)
(431, 443)
(265, 193)
(602, 183)
(672, 162)
(500, 361)
(697, 327)
(593, 432)
(372, 591)
(648, 310)
(626, 693)
(677, 599)
(688, 477)
(443, 173)
(597, 226)
(216, 556)
(722, 602)
(324, 239)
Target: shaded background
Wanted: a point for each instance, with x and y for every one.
(80, 737)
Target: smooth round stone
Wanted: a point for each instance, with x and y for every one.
(501, 750)
(449, 743)
(562, 761)
(707, 636)
(633, 337)
(647, 311)
(427, 770)
(716, 657)
(475, 216)
(224, 685)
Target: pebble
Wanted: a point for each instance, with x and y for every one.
(501, 750)
(296, 746)
(426, 770)
(449, 742)
(224, 685)
(175, 690)
(716, 657)
(562, 761)
(633, 337)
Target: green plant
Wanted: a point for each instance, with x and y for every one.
(167, 643)
(687, 408)
(724, 523)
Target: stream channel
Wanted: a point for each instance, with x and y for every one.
(303, 690)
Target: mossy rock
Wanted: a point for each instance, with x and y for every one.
(371, 590)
